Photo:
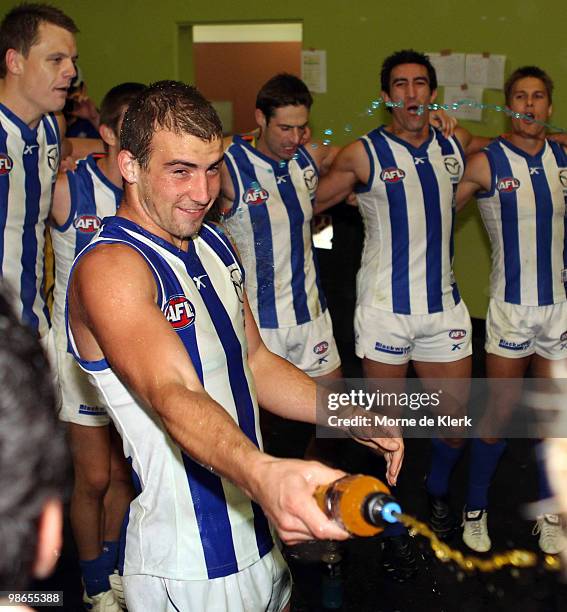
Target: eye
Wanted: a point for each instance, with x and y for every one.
(214, 170)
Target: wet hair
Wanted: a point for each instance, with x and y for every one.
(167, 105)
(528, 71)
(34, 463)
(406, 56)
(19, 28)
(115, 101)
(282, 90)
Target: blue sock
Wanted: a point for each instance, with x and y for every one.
(544, 489)
(110, 554)
(443, 460)
(483, 463)
(95, 575)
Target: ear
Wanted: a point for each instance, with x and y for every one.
(14, 62)
(550, 111)
(260, 119)
(385, 96)
(129, 167)
(49, 538)
(433, 95)
(108, 135)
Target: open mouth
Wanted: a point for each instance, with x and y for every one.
(413, 109)
(529, 117)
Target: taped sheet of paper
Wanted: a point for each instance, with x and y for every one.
(472, 94)
(485, 70)
(449, 67)
(314, 70)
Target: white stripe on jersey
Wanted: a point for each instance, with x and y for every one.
(32, 156)
(407, 209)
(524, 215)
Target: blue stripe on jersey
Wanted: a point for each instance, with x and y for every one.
(399, 227)
(510, 236)
(561, 159)
(544, 220)
(296, 220)
(433, 253)
(4, 191)
(28, 286)
(86, 205)
(262, 230)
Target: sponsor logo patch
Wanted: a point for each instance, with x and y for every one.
(311, 179)
(53, 157)
(514, 346)
(393, 350)
(452, 165)
(508, 184)
(87, 224)
(6, 163)
(563, 178)
(392, 175)
(179, 312)
(255, 196)
(457, 334)
(321, 348)
(563, 337)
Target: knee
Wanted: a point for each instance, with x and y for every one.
(92, 482)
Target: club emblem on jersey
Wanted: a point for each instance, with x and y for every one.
(508, 184)
(236, 278)
(457, 334)
(179, 312)
(87, 224)
(452, 165)
(6, 164)
(255, 195)
(392, 175)
(311, 179)
(53, 157)
(321, 348)
(563, 177)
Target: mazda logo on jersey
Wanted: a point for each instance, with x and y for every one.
(87, 224)
(508, 184)
(457, 334)
(563, 177)
(452, 165)
(321, 348)
(53, 157)
(311, 179)
(6, 164)
(179, 312)
(236, 278)
(255, 196)
(392, 175)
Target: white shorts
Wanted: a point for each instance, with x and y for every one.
(518, 331)
(393, 338)
(80, 400)
(264, 586)
(311, 346)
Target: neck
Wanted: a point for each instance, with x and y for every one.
(529, 144)
(414, 138)
(22, 108)
(108, 165)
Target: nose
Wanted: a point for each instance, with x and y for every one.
(297, 135)
(199, 189)
(69, 69)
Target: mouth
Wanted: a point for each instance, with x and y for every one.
(193, 212)
(413, 109)
(290, 151)
(528, 118)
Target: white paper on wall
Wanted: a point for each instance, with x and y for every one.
(471, 94)
(314, 70)
(449, 67)
(485, 70)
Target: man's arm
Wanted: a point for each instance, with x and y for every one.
(350, 166)
(471, 144)
(61, 206)
(477, 177)
(122, 321)
(288, 392)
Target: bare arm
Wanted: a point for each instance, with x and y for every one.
(477, 177)
(105, 315)
(61, 206)
(471, 144)
(349, 167)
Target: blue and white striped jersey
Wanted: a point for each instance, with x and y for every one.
(525, 216)
(408, 212)
(270, 222)
(187, 523)
(29, 160)
(93, 197)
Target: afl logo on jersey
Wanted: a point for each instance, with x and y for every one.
(6, 164)
(457, 334)
(179, 312)
(53, 157)
(563, 337)
(87, 224)
(508, 184)
(452, 165)
(392, 175)
(311, 179)
(562, 177)
(321, 348)
(255, 195)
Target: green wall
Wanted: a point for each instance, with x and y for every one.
(143, 41)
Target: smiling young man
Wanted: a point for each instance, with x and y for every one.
(159, 317)
(37, 64)
(408, 306)
(268, 187)
(520, 182)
